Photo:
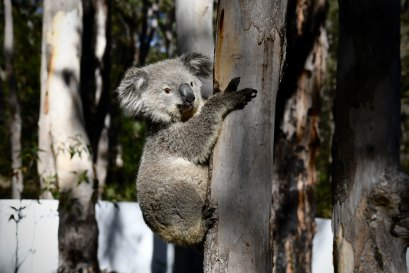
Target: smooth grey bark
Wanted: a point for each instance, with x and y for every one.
(14, 122)
(370, 209)
(251, 44)
(194, 30)
(296, 138)
(194, 26)
(77, 232)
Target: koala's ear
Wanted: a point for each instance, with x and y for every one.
(198, 64)
(130, 90)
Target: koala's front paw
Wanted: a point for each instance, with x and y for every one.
(231, 87)
(242, 97)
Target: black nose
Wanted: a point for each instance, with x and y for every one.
(186, 93)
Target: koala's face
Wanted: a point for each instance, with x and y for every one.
(167, 91)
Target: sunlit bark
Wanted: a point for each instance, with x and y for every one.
(250, 43)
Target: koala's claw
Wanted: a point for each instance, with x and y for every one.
(243, 96)
(233, 84)
(209, 216)
(249, 93)
(209, 222)
(208, 211)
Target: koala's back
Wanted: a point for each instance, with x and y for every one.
(171, 193)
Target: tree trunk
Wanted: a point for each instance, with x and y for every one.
(194, 26)
(194, 29)
(250, 43)
(95, 82)
(77, 233)
(46, 162)
(370, 212)
(14, 122)
(102, 94)
(296, 137)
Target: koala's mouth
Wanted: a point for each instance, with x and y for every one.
(186, 108)
(187, 111)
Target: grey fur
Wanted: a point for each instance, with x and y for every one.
(173, 174)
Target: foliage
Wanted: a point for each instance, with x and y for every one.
(27, 20)
(323, 190)
(125, 168)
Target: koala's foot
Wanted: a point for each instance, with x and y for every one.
(209, 216)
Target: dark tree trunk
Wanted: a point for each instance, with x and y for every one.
(88, 66)
(296, 137)
(370, 207)
(250, 43)
(95, 93)
(103, 97)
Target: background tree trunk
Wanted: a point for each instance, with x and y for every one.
(370, 213)
(77, 233)
(296, 137)
(102, 92)
(194, 29)
(95, 93)
(46, 162)
(194, 26)
(14, 122)
(250, 43)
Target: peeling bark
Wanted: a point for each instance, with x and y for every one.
(250, 43)
(14, 122)
(370, 194)
(297, 137)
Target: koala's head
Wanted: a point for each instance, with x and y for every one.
(167, 91)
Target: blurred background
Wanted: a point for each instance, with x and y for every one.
(88, 45)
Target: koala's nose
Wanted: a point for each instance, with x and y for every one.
(186, 93)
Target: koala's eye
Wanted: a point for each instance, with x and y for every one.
(167, 90)
(191, 84)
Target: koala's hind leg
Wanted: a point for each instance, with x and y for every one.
(179, 209)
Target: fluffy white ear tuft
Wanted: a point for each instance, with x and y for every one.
(198, 64)
(130, 90)
(140, 82)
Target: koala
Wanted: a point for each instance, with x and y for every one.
(182, 129)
